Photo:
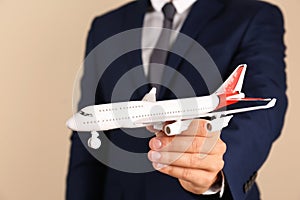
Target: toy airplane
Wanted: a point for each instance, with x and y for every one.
(148, 111)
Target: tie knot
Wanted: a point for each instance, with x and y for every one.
(169, 11)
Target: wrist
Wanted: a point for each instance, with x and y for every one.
(217, 186)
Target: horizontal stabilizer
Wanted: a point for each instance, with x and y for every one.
(249, 99)
(271, 104)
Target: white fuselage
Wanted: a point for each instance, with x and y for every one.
(140, 113)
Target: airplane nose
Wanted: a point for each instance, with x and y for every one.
(71, 124)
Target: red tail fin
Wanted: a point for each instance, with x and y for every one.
(230, 91)
(234, 83)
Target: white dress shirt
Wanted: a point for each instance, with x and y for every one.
(155, 18)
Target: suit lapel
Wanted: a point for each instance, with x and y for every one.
(202, 12)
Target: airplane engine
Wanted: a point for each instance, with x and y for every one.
(177, 127)
(218, 123)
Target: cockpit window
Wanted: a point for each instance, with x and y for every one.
(85, 114)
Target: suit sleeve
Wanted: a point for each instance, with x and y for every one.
(251, 134)
(85, 173)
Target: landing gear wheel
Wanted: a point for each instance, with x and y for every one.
(94, 142)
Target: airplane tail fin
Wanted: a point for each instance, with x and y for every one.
(230, 91)
(233, 85)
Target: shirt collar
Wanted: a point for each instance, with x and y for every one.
(180, 5)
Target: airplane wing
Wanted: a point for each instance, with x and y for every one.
(220, 121)
(239, 110)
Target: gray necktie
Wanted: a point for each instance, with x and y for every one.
(159, 57)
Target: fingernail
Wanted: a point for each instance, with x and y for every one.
(159, 165)
(156, 143)
(155, 156)
(202, 155)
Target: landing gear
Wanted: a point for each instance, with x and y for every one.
(94, 142)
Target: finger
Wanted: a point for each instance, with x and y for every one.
(151, 129)
(186, 144)
(212, 145)
(160, 134)
(201, 177)
(176, 144)
(212, 163)
(196, 128)
(192, 187)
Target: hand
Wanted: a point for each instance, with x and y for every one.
(195, 156)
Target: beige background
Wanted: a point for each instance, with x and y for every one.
(41, 48)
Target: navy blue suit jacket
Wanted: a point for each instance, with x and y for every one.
(233, 33)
